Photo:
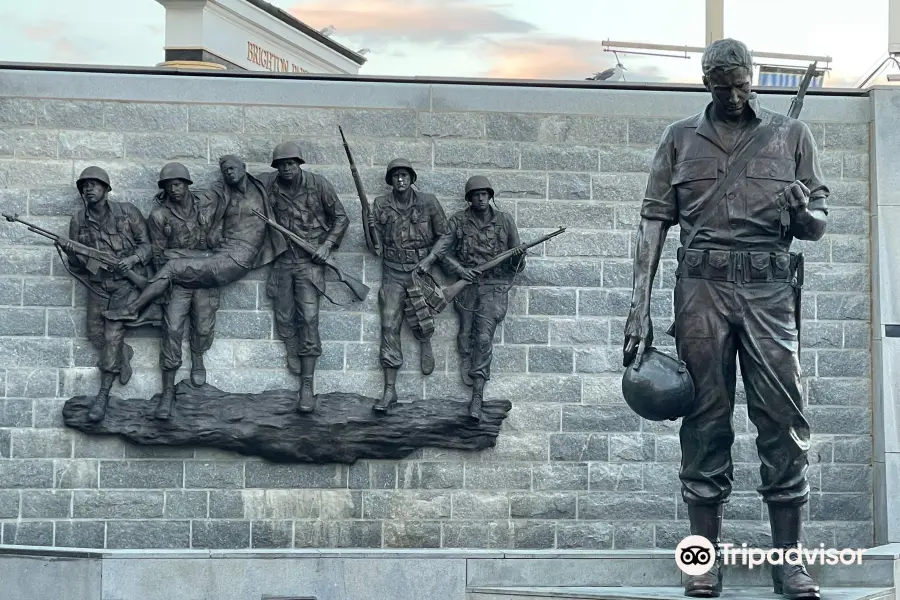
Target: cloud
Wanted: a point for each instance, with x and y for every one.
(53, 34)
(418, 21)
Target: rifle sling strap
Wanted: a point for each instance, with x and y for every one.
(762, 136)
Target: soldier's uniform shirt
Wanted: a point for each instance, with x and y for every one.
(734, 296)
(122, 233)
(310, 208)
(407, 234)
(481, 306)
(172, 231)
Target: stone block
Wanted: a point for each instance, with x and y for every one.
(533, 418)
(406, 504)
(477, 534)
(69, 114)
(618, 187)
(46, 504)
(53, 202)
(587, 243)
(846, 478)
(143, 116)
(632, 536)
(341, 504)
(646, 131)
(822, 334)
(579, 331)
(412, 534)
(512, 127)
(846, 136)
(856, 165)
(480, 505)
(525, 330)
(543, 157)
(4, 443)
(287, 121)
(337, 534)
(637, 506)
(556, 272)
(601, 389)
(599, 419)
(214, 474)
(226, 504)
(80, 534)
(847, 192)
(92, 144)
(220, 534)
(848, 249)
(445, 183)
(164, 147)
(15, 412)
(843, 363)
(631, 448)
(113, 504)
(17, 111)
(840, 507)
(597, 360)
(26, 261)
(267, 476)
(593, 130)
(584, 536)
(536, 535)
(251, 148)
(839, 420)
(28, 474)
(215, 117)
(124, 175)
(430, 475)
(498, 476)
(512, 184)
(136, 535)
(579, 447)
(626, 159)
(47, 292)
(836, 277)
(475, 155)
(568, 186)
(272, 534)
(852, 221)
(552, 477)
(34, 144)
(377, 123)
(22, 321)
(452, 125)
(141, 474)
(546, 359)
(41, 443)
(24, 173)
(76, 474)
(134, 451)
(10, 292)
(551, 301)
(186, 505)
(611, 477)
(243, 324)
(839, 392)
(856, 450)
(842, 306)
(568, 214)
(28, 533)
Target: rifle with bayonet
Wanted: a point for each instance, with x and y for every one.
(359, 289)
(371, 239)
(797, 101)
(95, 259)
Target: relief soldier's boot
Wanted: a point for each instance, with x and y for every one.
(167, 400)
(198, 369)
(706, 521)
(389, 396)
(307, 372)
(295, 365)
(477, 397)
(792, 581)
(465, 363)
(127, 355)
(98, 408)
(426, 359)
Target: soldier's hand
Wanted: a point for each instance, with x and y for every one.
(519, 251)
(322, 253)
(424, 265)
(64, 243)
(468, 274)
(127, 263)
(797, 196)
(638, 336)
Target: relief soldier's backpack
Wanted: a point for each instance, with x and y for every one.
(660, 389)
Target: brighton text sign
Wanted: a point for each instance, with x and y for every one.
(271, 61)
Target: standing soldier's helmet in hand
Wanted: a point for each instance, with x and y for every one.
(660, 389)
(286, 150)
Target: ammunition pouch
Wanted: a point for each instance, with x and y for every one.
(423, 302)
(740, 266)
(404, 256)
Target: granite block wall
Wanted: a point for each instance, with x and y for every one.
(573, 466)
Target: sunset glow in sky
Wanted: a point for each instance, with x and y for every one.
(558, 39)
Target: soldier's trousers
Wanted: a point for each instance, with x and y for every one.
(718, 322)
(481, 307)
(201, 305)
(392, 300)
(211, 271)
(296, 286)
(108, 337)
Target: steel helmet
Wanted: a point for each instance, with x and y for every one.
(399, 163)
(173, 170)
(478, 182)
(287, 150)
(660, 389)
(93, 173)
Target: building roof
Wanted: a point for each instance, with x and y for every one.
(288, 19)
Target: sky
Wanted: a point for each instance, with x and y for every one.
(520, 39)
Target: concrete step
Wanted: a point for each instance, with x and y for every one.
(660, 593)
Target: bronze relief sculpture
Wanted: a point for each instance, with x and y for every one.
(743, 182)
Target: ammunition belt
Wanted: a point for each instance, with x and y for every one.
(405, 255)
(739, 266)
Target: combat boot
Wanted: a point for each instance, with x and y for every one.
(389, 396)
(706, 521)
(167, 400)
(198, 369)
(465, 364)
(126, 370)
(427, 358)
(98, 408)
(477, 397)
(307, 373)
(791, 581)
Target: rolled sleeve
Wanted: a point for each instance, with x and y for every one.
(809, 170)
(660, 202)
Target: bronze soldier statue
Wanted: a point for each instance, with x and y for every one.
(736, 295)
(240, 241)
(474, 236)
(178, 229)
(119, 229)
(405, 224)
(307, 205)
